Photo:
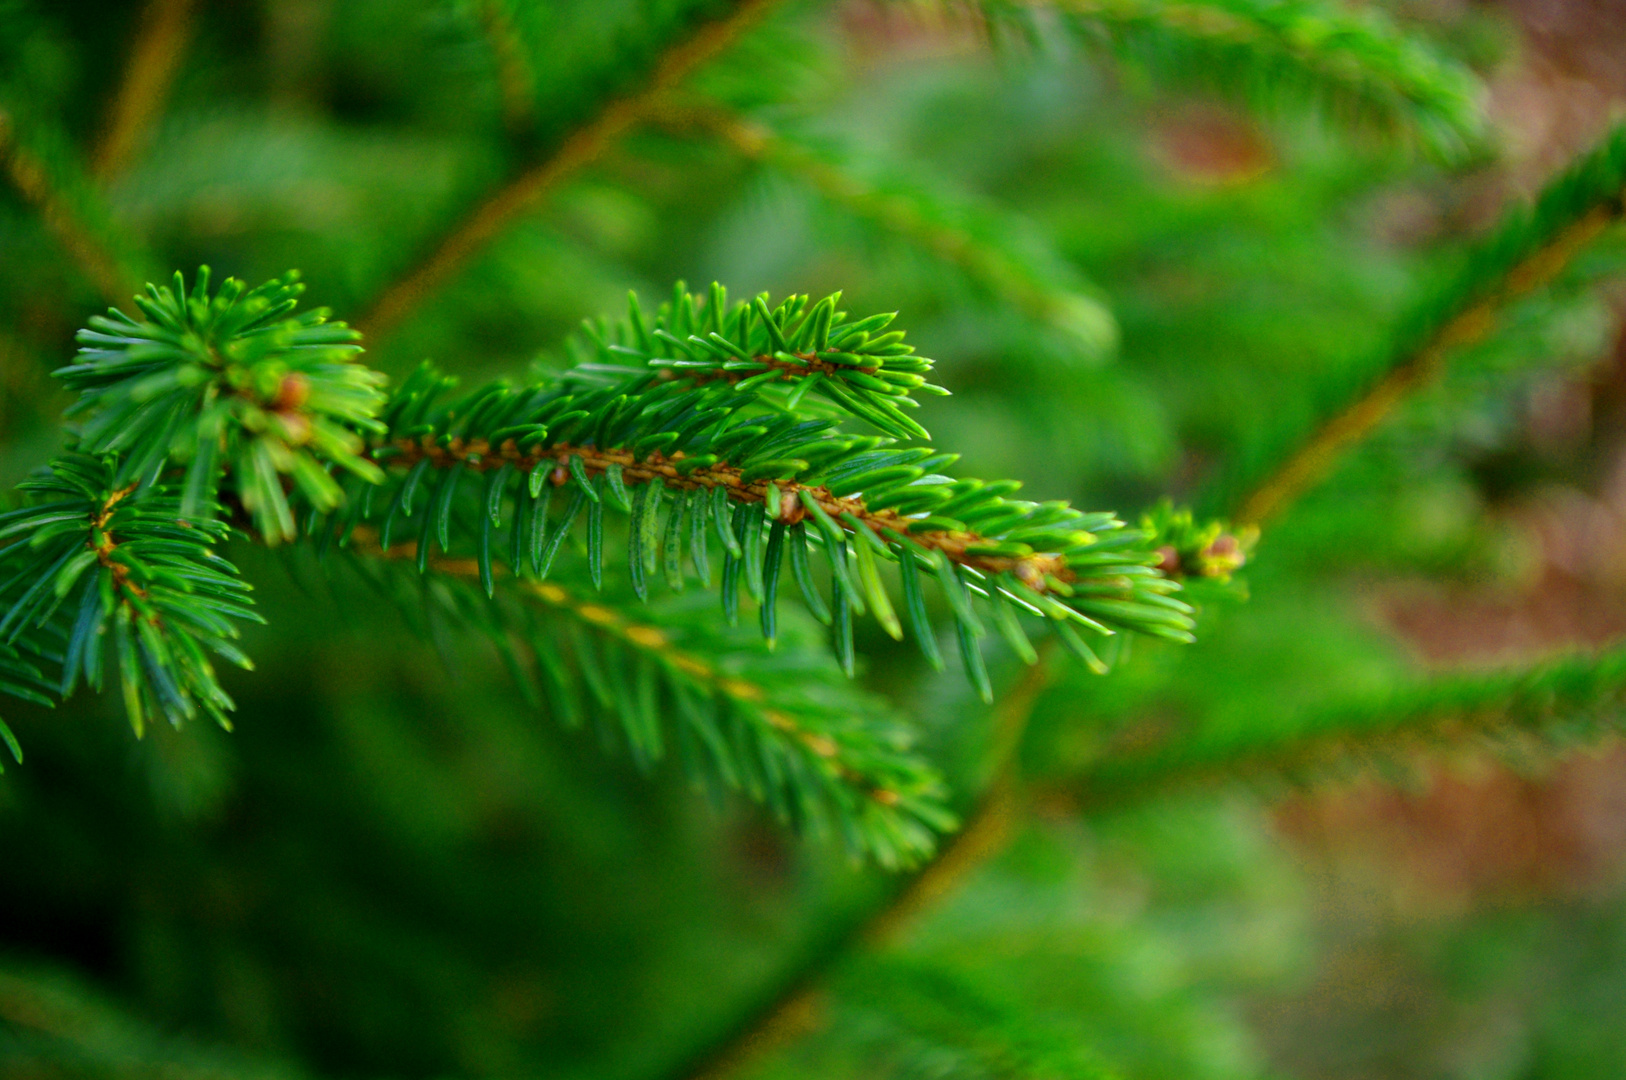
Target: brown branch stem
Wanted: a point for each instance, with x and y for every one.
(33, 181)
(102, 543)
(491, 217)
(159, 45)
(959, 547)
(1314, 459)
(647, 639)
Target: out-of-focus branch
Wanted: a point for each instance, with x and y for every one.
(789, 1007)
(1530, 713)
(1310, 463)
(494, 215)
(912, 218)
(513, 66)
(161, 40)
(33, 181)
(1525, 254)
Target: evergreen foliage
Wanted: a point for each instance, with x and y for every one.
(1357, 64)
(698, 534)
(1528, 715)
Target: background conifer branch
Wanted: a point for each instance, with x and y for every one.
(1524, 254)
(1525, 714)
(489, 218)
(780, 1013)
(155, 56)
(989, 257)
(45, 176)
(514, 78)
(1357, 63)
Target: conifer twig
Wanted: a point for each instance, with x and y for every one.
(1522, 257)
(33, 181)
(488, 219)
(159, 45)
(786, 1009)
(1070, 310)
(513, 67)
(1551, 704)
(965, 548)
(642, 637)
(1357, 61)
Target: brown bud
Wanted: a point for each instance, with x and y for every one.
(292, 392)
(1168, 559)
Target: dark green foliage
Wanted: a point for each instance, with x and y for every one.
(393, 868)
(100, 571)
(217, 397)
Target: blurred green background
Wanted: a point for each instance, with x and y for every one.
(394, 867)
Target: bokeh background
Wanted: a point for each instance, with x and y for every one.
(396, 867)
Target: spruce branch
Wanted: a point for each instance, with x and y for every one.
(515, 83)
(699, 423)
(1523, 713)
(497, 212)
(42, 167)
(779, 1013)
(155, 55)
(1357, 64)
(979, 241)
(232, 378)
(1529, 249)
(92, 566)
(825, 757)
(229, 397)
(709, 433)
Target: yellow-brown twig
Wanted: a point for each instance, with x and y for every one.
(160, 42)
(31, 178)
(652, 641)
(1314, 459)
(487, 220)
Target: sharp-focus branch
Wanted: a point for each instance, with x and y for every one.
(964, 548)
(491, 217)
(160, 42)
